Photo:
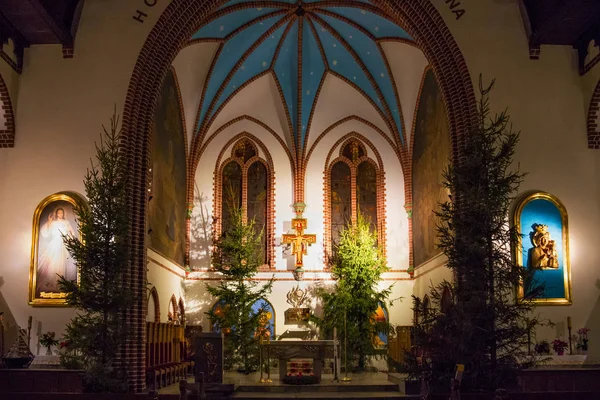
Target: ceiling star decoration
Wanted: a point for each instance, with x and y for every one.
(299, 43)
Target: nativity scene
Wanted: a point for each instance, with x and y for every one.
(234, 196)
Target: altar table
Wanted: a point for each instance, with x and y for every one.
(284, 350)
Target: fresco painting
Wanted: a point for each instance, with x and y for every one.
(167, 208)
(431, 153)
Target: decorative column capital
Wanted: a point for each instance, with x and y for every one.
(299, 208)
(409, 210)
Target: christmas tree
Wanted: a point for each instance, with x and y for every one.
(356, 266)
(97, 333)
(485, 327)
(237, 255)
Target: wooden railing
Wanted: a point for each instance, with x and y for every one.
(165, 354)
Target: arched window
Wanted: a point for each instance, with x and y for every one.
(244, 182)
(353, 182)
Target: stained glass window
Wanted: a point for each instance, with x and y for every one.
(231, 192)
(245, 183)
(257, 199)
(341, 199)
(353, 189)
(366, 192)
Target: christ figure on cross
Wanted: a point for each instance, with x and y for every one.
(299, 240)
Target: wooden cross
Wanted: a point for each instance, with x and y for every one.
(300, 241)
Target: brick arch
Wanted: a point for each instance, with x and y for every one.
(171, 33)
(154, 296)
(7, 118)
(593, 122)
(380, 175)
(267, 161)
(181, 306)
(173, 308)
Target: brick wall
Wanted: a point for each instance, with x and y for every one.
(172, 31)
(593, 122)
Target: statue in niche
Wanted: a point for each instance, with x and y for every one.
(544, 253)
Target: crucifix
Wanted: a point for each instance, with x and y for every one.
(300, 240)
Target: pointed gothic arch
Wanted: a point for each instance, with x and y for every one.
(244, 163)
(154, 297)
(181, 307)
(173, 314)
(352, 164)
(180, 19)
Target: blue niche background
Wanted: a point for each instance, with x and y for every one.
(256, 307)
(545, 212)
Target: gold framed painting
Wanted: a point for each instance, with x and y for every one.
(53, 218)
(543, 221)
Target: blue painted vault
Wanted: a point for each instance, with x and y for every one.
(298, 43)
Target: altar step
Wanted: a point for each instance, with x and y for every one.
(325, 396)
(321, 392)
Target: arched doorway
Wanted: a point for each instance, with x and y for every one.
(170, 34)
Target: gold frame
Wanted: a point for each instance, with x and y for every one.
(75, 200)
(518, 252)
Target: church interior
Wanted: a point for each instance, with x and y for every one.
(315, 111)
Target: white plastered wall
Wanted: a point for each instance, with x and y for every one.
(168, 279)
(546, 103)
(62, 104)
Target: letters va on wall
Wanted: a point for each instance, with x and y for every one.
(53, 218)
(431, 152)
(542, 220)
(167, 207)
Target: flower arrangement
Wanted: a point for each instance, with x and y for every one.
(582, 339)
(559, 346)
(48, 340)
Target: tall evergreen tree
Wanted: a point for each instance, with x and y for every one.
(97, 333)
(486, 327)
(237, 255)
(357, 267)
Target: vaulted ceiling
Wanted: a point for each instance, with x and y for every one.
(300, 46)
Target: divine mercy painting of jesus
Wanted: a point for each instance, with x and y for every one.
(53, 219)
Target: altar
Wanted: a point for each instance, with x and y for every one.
(299, 357)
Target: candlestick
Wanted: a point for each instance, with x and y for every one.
(569, 326)
(29, 331)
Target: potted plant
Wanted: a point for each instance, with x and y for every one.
(542, 347)
(559, 346)
(582, 340)
(48, 340)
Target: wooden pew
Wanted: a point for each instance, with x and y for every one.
(164, 354)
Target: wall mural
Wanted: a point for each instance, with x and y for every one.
(53, 218)
(431, 153)
(542, 219)
(167, 208)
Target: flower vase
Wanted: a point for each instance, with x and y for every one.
(49, 351)
(560, 352)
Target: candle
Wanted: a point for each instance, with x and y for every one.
(569, 323)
